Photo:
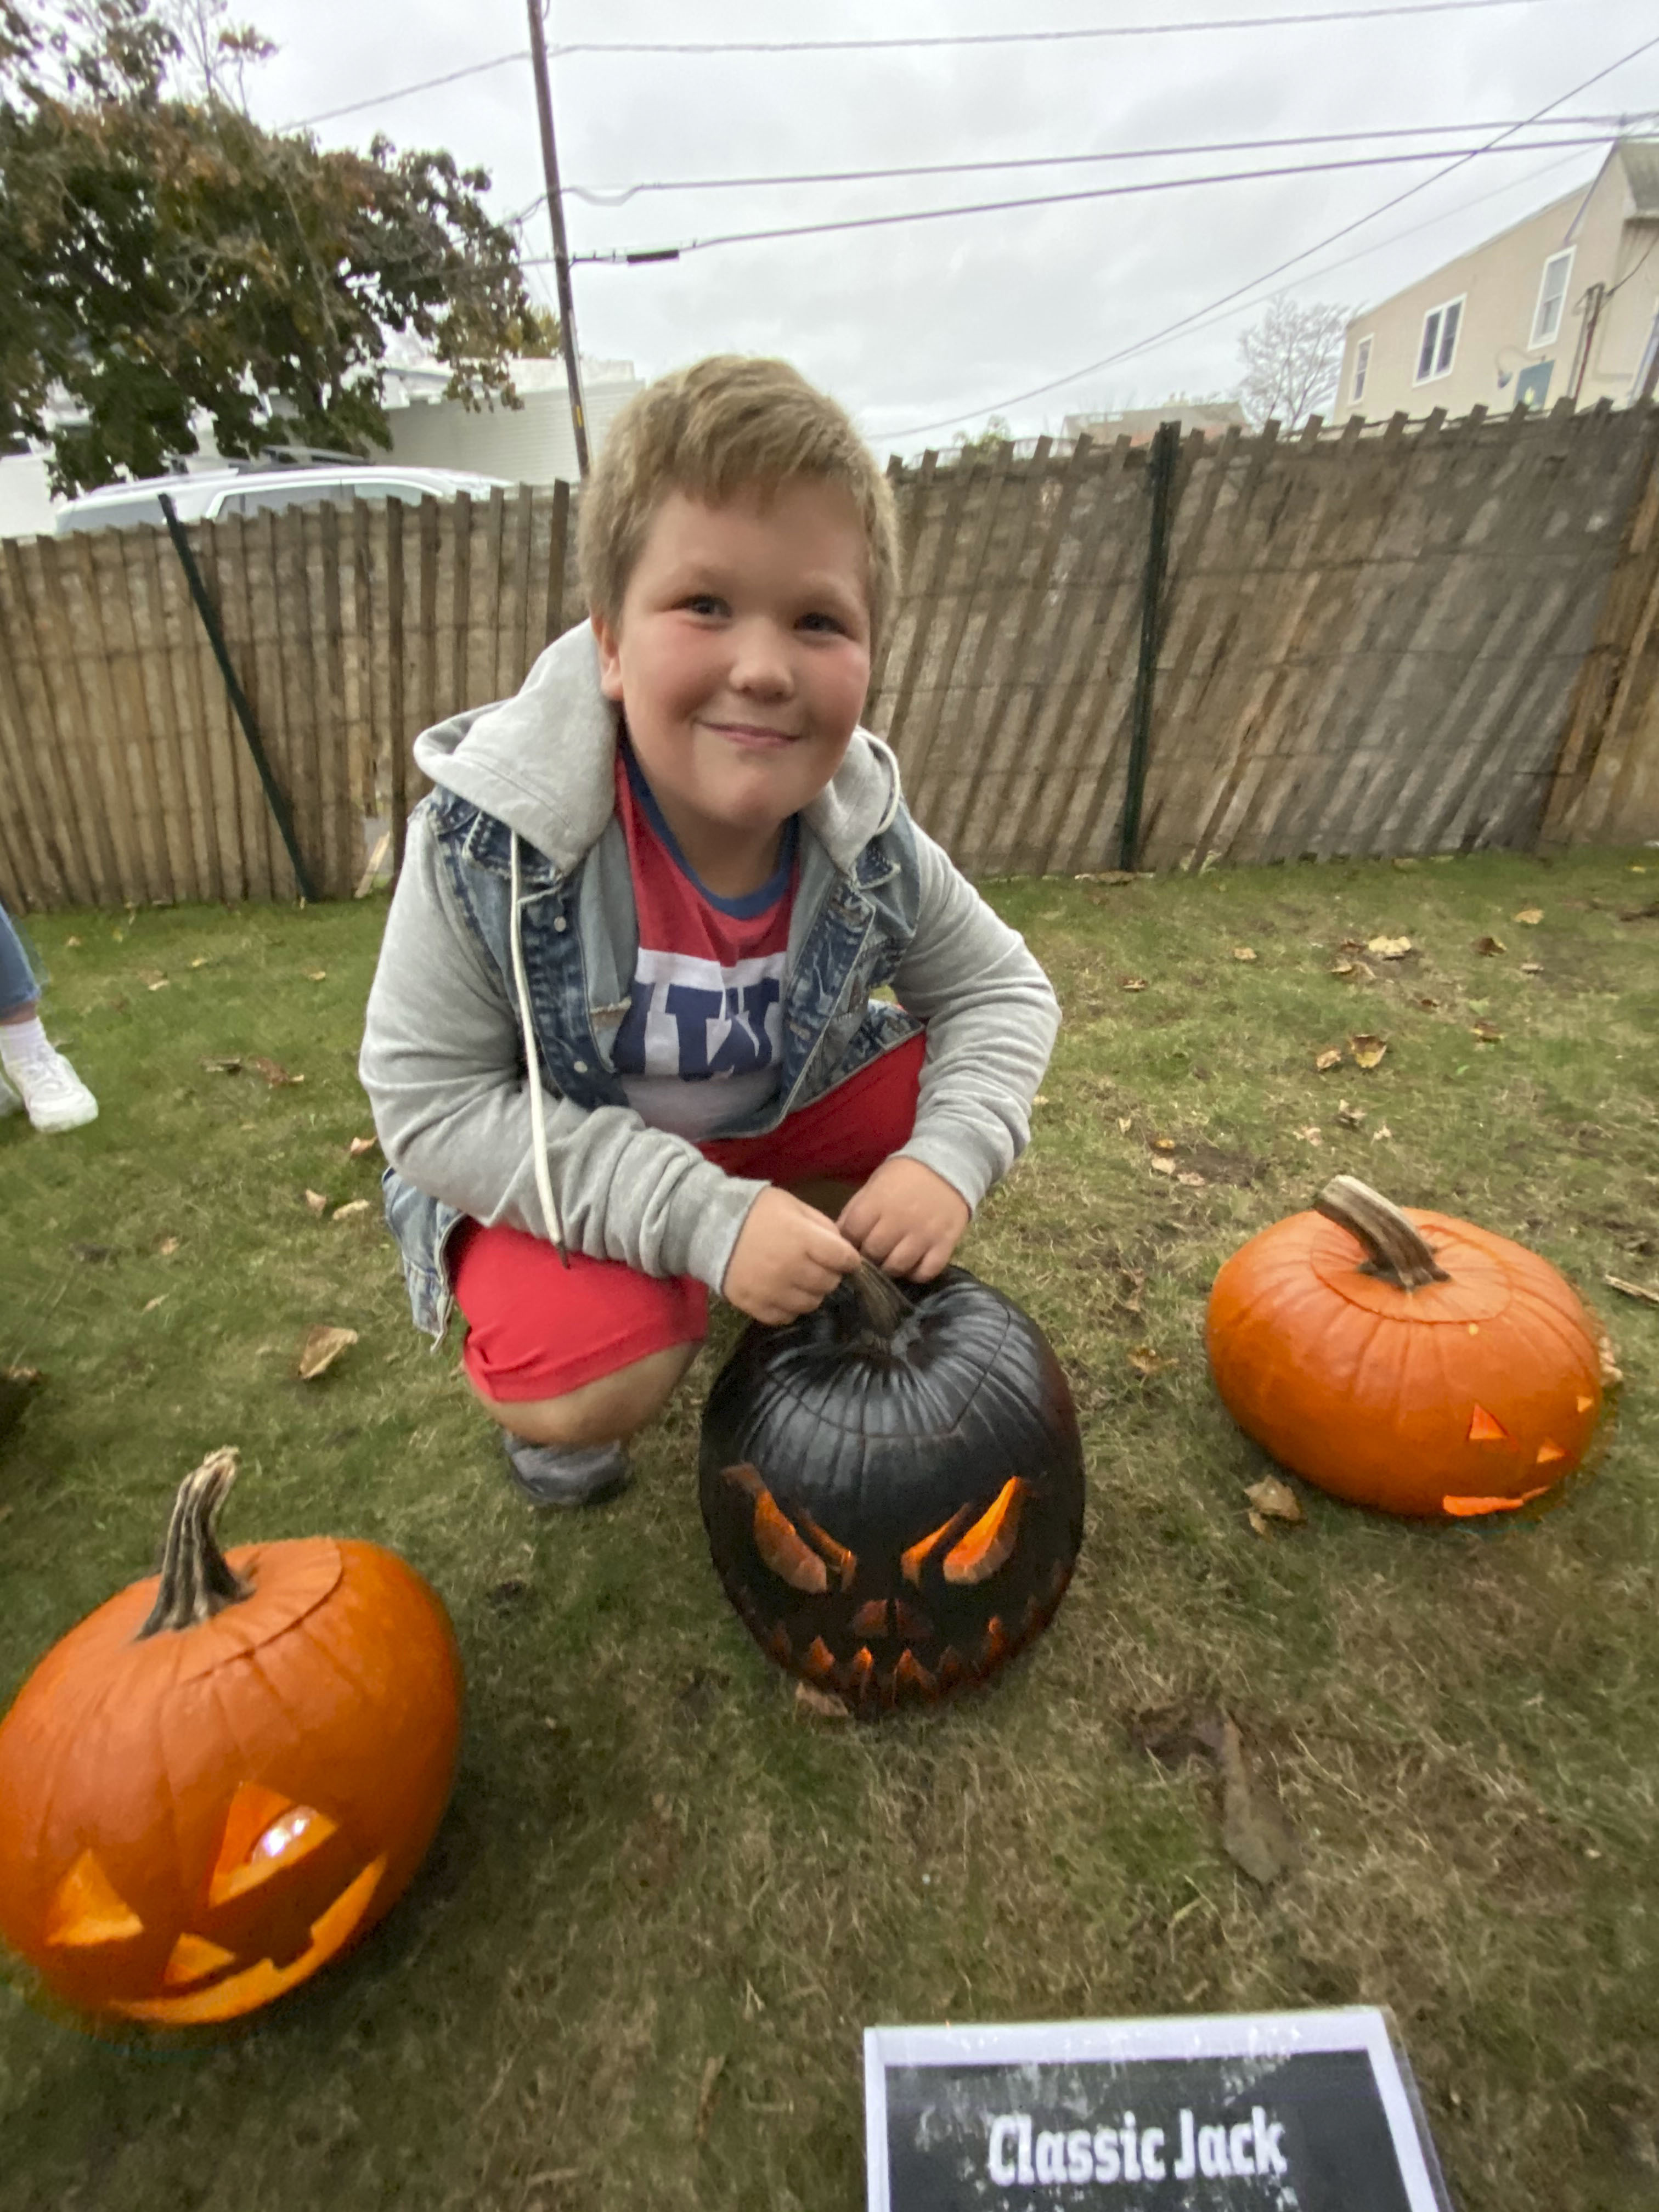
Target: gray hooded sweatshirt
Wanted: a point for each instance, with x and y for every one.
(444, 1059)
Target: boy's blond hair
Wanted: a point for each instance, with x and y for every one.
(725, 426)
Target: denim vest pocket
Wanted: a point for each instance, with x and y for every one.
(422, 1228)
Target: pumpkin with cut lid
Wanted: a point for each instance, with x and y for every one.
(893, 1487)
(224, 1775)
(1405, 1359)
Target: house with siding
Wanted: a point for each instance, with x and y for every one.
(1563, 304)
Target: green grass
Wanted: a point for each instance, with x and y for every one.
(651, 1862)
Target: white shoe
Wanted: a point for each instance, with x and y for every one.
(54, 1094)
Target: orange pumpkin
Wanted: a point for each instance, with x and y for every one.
(1405, 1360)
(226, 1774)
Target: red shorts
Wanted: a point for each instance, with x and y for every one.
(536, 1329)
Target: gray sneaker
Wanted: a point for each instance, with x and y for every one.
(567, 1474)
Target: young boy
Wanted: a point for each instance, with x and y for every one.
(622, 1003)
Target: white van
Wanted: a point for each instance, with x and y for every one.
(214, 493)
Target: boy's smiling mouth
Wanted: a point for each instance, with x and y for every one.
(758, 734)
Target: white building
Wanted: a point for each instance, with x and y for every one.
(534, 444)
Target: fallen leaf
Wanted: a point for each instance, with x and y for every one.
(1352, 944)
(1367, 1050)
(229, 1065)
(1146, 1362)
(1163, 1144)
(1132, 982)
(1242, 952)
(1486, 1033)
(316, 975)
(1160, 1166)
(1632, 1290)
(1258, 1526)
(1332, 1057)
(1531, 915)
(1124, 1123)
(1041, 1099)
(1349, 1116)
(1341, 967)
(321, 1346)
(1254, 1832)
(28, 1377)
(1607, 1360)
(820, 1704)
(316, 1201)
(160, 984)
(1429, 1006)
(1311, 1134)
(1192, 1179)
(71, 941)
(350, 1210)
(154, 1303)
(358, 1145)
(1490, 945)
(200, 961)
(1389, 948)
(167, 1246)
(1382, 1133)
(1532, 967)
(711, 2075)
(1274, 1500)
(274, 1075)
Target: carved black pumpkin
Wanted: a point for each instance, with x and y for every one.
(893, 1487)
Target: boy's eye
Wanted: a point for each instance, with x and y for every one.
(822, 622)
(704, 603)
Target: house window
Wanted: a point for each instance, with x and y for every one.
(1434, 356)
(1552, 298)
(1361, 365)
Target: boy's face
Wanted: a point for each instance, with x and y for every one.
(742, 656)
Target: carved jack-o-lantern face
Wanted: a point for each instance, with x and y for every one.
(286, 1890)
(216, 1782)
(895, 1515)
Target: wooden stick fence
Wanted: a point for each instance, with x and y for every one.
(1390, 638)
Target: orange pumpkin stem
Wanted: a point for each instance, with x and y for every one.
(1394, 1250)
(197, 1579)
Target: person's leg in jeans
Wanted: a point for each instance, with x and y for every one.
(32, 1072)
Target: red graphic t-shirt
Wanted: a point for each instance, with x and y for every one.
(701, 1041)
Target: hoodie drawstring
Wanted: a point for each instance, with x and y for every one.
(532, 1063)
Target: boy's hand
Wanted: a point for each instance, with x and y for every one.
(788, 1257)
(907, 1219)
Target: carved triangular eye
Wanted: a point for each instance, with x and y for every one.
(989, 1544)
(265, 1833)
(804, 1566)
(88, 1909)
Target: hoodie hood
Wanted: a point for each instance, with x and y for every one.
(542, 762)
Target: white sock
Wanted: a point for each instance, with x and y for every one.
(23, 1041)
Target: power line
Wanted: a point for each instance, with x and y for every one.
(1027, 38)
(862, 46)
(611, 196)
(1184, 322)
(1064, 199)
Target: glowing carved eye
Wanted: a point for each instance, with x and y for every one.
(780, 1544)
(265, 1832)
(990, 1542)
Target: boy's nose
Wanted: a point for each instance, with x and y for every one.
(760, 661)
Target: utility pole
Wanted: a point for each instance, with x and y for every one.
(561, 252)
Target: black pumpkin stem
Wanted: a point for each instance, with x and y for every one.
(883, 1303)
(197, 1579)
(1397, 1253)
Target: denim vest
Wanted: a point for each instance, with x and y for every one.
(848, 932)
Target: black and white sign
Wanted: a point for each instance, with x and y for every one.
(1294, 2112)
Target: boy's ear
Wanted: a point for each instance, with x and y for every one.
(608, 641)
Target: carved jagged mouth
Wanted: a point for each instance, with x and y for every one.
(887, 1674)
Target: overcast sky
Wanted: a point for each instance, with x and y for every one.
(925, 328)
